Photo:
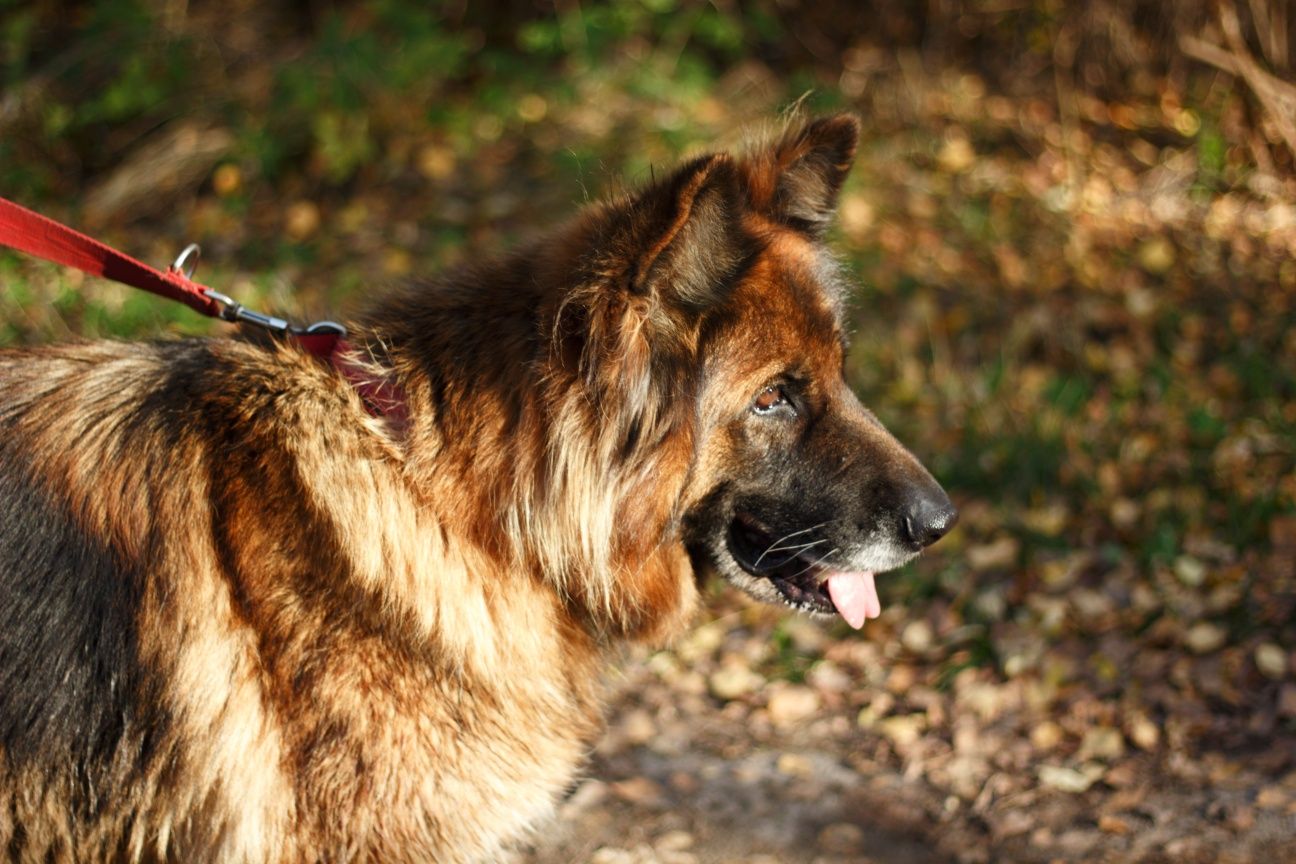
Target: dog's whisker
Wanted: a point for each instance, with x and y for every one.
(815, 563)
(800, 547)
(774, 547)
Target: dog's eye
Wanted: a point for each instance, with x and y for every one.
(771, 400)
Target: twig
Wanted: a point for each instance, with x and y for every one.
(1064, 49)
(1277, 97)
(1271, 26)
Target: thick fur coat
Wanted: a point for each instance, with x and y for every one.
(244, 619)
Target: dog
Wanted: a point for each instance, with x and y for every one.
(246, 617)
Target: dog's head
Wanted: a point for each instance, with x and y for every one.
(729, 336)
(810, 496)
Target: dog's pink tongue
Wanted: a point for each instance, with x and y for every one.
(855, 596)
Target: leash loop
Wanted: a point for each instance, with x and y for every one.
(178, 266)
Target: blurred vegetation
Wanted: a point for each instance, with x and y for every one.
(1073, 227)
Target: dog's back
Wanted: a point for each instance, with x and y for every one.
(200, 653)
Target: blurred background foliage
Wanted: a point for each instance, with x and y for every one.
(1072, 224)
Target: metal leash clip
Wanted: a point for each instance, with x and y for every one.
(186, 263)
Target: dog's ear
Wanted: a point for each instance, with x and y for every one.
(671, 252)
(797, 180)
(649, 264)
(687, 233)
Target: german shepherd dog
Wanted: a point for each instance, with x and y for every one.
(243, 618)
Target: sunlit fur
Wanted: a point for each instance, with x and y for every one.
(246, 620)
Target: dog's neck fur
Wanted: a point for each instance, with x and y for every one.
(505, 428)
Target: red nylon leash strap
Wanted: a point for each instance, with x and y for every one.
(37, 235)
(30, 232)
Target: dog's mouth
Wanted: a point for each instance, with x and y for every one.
(795, 564)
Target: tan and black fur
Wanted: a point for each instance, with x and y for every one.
(241, 619)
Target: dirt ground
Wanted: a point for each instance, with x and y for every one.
(706, 761)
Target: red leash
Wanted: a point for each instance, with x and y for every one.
(34, 234)
(37, 235)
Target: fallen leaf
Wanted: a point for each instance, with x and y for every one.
(638, 790)
(1112, 824)
(956, 155)
(904, 730)
(1066, 779)
(841, 838)
(1102, 743)
(791, 705)
(1205, 637)
(1271, 660)
(997, 555)
(733, 681)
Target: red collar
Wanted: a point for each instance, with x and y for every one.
(383, 396)
(37, 235)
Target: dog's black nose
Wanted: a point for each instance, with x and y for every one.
(928, 516)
